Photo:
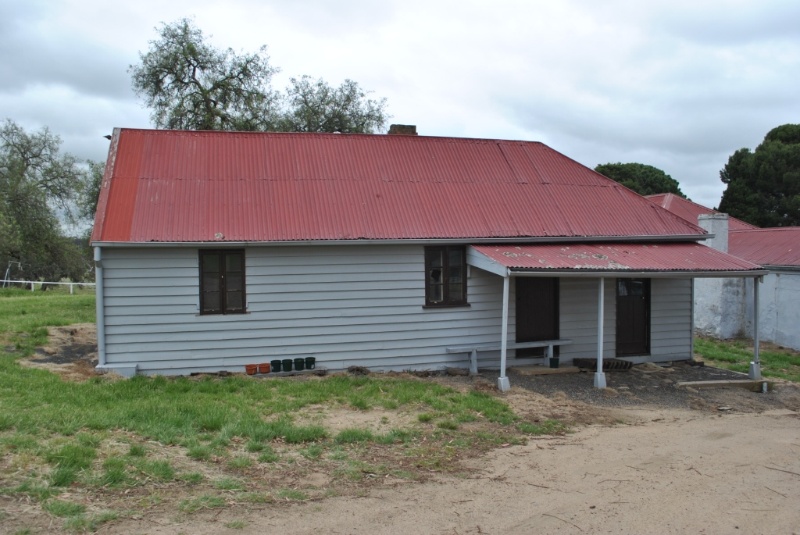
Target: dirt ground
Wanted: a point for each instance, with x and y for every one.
(716, 461)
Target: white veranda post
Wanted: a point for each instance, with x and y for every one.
(503, 383)
(755, 366)
(599, 375)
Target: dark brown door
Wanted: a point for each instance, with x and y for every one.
(537, 313)
(633, 317)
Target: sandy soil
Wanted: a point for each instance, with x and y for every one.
(669, 472)
(626, 469)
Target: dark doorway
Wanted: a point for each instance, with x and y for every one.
(633, 317)
(537, 313)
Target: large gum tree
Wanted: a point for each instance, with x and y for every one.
(190, 85)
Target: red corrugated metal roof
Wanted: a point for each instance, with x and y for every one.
(188, 186)
(768, 246)
(689, 210)
(617, 257)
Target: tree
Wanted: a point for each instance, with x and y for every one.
(37, 181)
(641, 178)
(190, 85)
(763, 187)
(315, 106)
(90, 193)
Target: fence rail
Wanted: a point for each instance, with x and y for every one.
(33, 284)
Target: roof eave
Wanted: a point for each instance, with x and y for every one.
(414, 241)
(576, 273)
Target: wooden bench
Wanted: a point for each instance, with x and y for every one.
(473, 349)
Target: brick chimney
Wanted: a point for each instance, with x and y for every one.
(403, 130)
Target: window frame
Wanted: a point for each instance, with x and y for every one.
(224, 308)
(447, 301)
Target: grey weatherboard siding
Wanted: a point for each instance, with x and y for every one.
(345, 305)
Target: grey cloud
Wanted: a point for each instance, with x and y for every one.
(34, 57)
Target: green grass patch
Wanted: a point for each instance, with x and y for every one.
(229, 484)
(313, 451)
(736, 355)
(113, 434)
(548, 427)
(137, 450)
(89, 523)
(63, 508)
(192, 478)
(291, 495)
(205, 501)
(158, 470)
(354, 435)
(447, 424)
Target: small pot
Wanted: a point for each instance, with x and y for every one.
(263, 368)
(311, 363)
(275, 365)
(251, 369)
(287, 365)
(300, 364)
(554, 362)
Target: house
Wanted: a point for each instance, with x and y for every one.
(724, 307)
(219, 249)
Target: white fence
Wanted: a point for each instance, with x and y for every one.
(5, 283)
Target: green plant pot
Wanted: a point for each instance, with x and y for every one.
(311, 363)
(554, 362)
(275, 365)
(299, 364)
(287, 365)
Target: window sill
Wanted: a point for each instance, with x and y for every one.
(434, 307)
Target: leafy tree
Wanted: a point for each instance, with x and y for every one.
(315, 106)
(89, 194)
(190, 85)
(36, 181)
(763, 187)
(641, 178)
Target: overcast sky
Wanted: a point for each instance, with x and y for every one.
(675, 84)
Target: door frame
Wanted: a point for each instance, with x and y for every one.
(643, 327)
(531, 312)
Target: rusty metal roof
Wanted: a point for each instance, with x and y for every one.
(689, 210)
(189, 186)
(768, 246)
(616, 257)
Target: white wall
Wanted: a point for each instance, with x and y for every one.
(720, 307)
(344, 305)
(779, 308)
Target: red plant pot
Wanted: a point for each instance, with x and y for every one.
(251, 369)
(263, 368)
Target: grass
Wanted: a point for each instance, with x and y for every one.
(736, 355)
(201, 443)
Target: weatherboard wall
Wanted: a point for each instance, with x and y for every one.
(351, 305)
(344, 305)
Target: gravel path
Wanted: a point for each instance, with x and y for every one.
(655, 386)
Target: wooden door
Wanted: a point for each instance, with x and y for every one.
(633, 317)
(537, 313)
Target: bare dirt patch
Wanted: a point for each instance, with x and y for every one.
(71, 352)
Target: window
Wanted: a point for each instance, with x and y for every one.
(222, 282)
(445, 276)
